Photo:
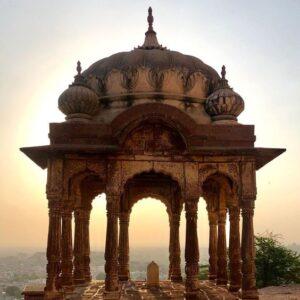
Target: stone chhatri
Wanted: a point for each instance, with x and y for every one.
(166, 127)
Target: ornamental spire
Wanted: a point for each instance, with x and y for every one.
(223, 83)
(79, 78)
(151, 41)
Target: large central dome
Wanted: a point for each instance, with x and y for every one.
(158, 59)
(151, 68)
(147, 74)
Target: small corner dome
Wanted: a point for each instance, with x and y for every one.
(79, 102)
(224, 105)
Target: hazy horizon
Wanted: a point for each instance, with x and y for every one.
(40, 43)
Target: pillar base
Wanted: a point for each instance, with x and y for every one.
(123, 278)
(249, 294)
(176, 278)
(88, 279)
(111, 295)
(79, 281)
(68, 288)
(195, 295)
(222, 282)
(234, 288)
(212, 277)
(53, 295)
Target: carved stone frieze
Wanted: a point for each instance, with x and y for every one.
(156, 78)
(248, 180)
(154, 139)
(129, 78)
(188, 79)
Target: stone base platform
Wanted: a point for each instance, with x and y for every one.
(136, 290)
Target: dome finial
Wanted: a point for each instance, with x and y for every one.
(150, 35)
(150, 18)
(223, 72)
(78, 68)
(223, 82)
(78, 78)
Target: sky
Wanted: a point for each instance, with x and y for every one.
(40, 43)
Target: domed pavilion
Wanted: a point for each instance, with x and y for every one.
(151, 122)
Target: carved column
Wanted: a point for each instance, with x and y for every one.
(79, 274)
(222, 251)
(191, 250)
(111, 246)
(53, 245)
(213, 243)
(66, 249)
(174, 248)
(249, 290)
(86, 244)
(124, 273)
(235, 275)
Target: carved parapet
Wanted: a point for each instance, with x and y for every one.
(248, 175)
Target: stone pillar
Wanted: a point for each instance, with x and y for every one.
(111, 246)
(249, 290)
(222, 251)
(79, 274)
(174, 248)
(191, 250)
(53, 246)
(124, 273)
(86, 244)
(235, 275)
(66, 250)
(213, 244)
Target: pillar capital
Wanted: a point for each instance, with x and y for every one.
(234, 213)
(124, 216)
(222, 216)
(213, 217)
(174, 219)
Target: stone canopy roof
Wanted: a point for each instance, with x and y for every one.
(161, 59)
(153, 55)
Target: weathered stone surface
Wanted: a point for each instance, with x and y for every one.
(152, 275)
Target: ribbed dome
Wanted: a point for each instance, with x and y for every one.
(152, 73)
(78, 102)
(224, 105)
(154, 59)
(151, 69)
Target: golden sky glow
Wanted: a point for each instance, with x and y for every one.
(41, 42)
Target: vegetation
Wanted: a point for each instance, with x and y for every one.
(203, 272)
(275, 263)
(13, 291)
(24, 277)
(100, 276)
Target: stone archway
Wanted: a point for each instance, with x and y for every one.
(165, 189)
(221, 195)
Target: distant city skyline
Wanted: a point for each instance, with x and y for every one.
(40, 44)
